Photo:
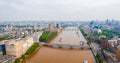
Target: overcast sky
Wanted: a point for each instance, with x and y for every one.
(59, 9)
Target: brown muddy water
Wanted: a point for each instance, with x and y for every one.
(59, 55)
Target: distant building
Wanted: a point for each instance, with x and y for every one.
(36, 36)
(2, 47)
(97, 30)
(58, 30)
(50, 27)
(114, 49)
(57, 26)
(107, 22)
(104, 44)
(114, 44)
(92, 23)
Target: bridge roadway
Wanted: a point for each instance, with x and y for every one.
(66, 46)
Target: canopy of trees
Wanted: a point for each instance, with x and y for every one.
(90, 38)
(17, 60)
(3, 37)
(83, 32)
(99, 57)
(46, 36)
(110, 33)
(32, 48)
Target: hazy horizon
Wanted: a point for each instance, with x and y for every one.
(59, 10)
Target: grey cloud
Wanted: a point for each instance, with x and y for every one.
(59, 9)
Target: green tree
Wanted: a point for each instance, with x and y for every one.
(32, 48)
(99, 57)
(17, 60)
(23, 57)
(99, 41)
(46, 36)
(90, 38)
(4, 52)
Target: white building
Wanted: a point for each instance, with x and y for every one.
(18, 47)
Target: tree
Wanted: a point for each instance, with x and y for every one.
(99, 57)
(4, 52)
(99, 41)
(17, 60)
(46, 36)
(90, 38)
(32, 48)
(23, 57)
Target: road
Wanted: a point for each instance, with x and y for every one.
(96, 48)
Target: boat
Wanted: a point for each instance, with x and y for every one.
(85, 61)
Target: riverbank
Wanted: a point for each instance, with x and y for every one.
(30, 51)
(31, 54)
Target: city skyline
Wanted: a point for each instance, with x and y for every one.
(57, 10)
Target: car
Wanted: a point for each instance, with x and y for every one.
(81, 42)
(76, 32)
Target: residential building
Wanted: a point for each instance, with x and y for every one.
(104, 44)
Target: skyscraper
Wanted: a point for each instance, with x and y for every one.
(57, 25)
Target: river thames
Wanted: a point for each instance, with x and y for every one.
(69, 36)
